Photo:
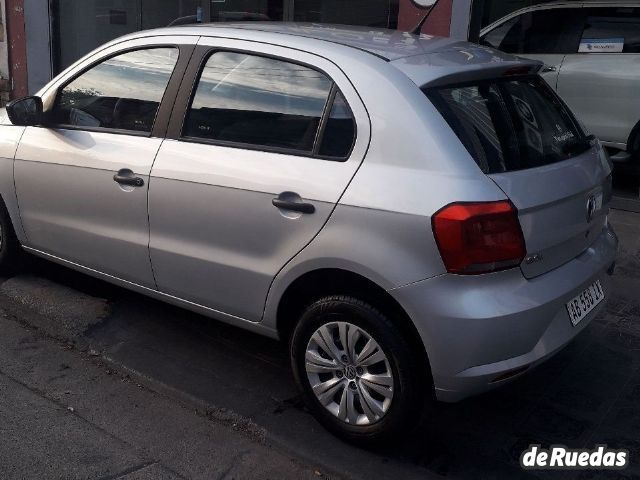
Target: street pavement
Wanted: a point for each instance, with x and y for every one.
(155, 390)
(65, 414)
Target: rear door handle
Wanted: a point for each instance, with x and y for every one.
(293, 205)
(127, 177)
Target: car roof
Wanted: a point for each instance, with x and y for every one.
(580, 3)
(425, 59)
(560, 4)
(590, 2)
(384, 43)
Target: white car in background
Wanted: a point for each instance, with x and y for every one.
(591, 52)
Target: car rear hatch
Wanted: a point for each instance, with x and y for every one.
(526, 140)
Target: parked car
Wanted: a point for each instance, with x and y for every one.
(419, 218)
(591, 51)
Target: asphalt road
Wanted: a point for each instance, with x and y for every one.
(65, 414)
(586, 395)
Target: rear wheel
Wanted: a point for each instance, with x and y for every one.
(360, 378)
(11, 253)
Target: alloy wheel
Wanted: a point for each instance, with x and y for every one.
(349, 373)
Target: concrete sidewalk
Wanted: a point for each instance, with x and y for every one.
(64, 414)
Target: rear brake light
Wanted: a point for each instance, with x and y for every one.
(479, 237)
(513, 71)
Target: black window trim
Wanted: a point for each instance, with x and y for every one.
(161, 117)
(210, 51)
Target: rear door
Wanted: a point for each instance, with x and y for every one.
(259, 152)
(526, 140)
(599, 80)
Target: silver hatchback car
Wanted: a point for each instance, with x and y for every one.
(419, 218)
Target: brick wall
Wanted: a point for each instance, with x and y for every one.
(17, 85)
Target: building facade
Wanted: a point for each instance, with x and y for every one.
(43, 37)
(46, 36)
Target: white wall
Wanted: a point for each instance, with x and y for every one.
(460, 19)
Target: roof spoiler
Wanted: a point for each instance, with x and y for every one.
(486, 72)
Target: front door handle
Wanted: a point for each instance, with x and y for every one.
(293, 205)
(548, 69)
(127, 177)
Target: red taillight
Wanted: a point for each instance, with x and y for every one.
(479, 237)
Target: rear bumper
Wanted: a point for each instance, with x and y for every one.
(478, 330)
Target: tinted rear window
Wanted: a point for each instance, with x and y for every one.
(510, 124)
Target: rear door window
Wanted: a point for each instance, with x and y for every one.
(611, 30)
(510, 124)
(251, 101)
(254, 100)
(543, 31)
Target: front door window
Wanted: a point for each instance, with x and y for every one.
(121, 93)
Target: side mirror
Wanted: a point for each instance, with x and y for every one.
(26, 111)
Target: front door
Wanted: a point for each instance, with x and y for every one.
(82, 181)
(267, 148)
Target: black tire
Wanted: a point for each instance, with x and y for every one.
(11, 253)
(412, 388)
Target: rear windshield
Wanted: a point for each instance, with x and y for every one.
(510, 124)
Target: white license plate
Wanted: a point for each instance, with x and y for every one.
(580, 306)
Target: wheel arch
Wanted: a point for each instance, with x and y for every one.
(315, 284)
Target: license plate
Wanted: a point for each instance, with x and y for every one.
(580, 306)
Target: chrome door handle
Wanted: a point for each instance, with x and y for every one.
(548, 68)
(127, 177)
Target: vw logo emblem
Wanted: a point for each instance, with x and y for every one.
(591, 207)
(350, 372)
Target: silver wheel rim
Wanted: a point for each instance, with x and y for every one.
(349, 373)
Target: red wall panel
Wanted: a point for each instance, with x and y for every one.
(17, 47)
(438, 23)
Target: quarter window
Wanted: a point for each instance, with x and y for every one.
(340, 130)
(123, 92)
(253, 100)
